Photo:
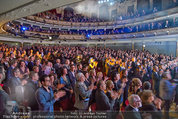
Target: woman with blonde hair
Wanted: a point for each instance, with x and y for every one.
(135, 86)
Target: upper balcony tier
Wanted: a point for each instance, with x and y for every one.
(38, 21)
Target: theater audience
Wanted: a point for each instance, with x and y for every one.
(86, 90)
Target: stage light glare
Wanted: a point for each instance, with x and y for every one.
(24, 28)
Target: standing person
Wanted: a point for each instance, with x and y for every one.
(14, 83)
(67, 87)
(13, 64)
(156, 80)
(109, 89)
(102, 101)
(135, 87)
(58, 66)
(31, 63)
(4, 97)
(82, 94)
(151, 105)
(132, 111)
(30, 89)
(24, 71)
(166, 92)
(71, 74)
(45, 96)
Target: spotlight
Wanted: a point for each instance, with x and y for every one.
(50, 37)
(111, 3)
(88, 36)
(24, 28)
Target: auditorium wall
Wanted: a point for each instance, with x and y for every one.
(165, 47)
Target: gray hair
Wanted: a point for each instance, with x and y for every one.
(78, 76)
(133, 98)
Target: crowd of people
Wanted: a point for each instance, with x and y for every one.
(157, 25)
(70, 16)
(60, 78)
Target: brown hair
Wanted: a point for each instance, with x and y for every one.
(145, 95)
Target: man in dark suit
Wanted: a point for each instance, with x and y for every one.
(13, 64)
(30, 89)
(132, 111)
(31, 63)
(72, 76)
(102, 101)
(156, 80)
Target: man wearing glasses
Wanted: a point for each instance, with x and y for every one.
(45, 96)
(132, 111)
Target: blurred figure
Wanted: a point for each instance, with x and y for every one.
(14, 83)
(166, 92)
(30, 89)
(4, 97)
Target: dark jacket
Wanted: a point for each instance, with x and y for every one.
(72, 79)
(30, 89)
(13, 83)
(156, 81)
(102, 101)
(4, 97)
(151, 109)
(10, 73)
(131, 113)
(30, 65)
(166, 89)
